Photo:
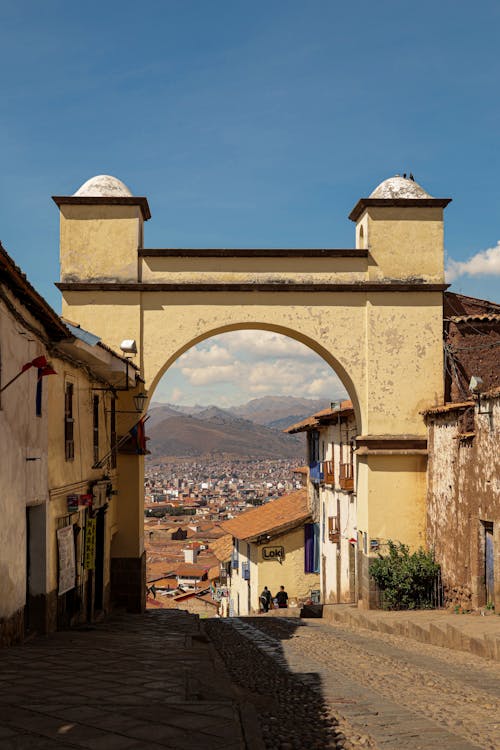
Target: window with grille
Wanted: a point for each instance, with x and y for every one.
(95, 428)
(69, 443)
(245, 571)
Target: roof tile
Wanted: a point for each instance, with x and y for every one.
(278, 515)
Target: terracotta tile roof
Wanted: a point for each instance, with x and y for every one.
(305, 424)
(344, 408)
(16, 281)
(213, 572)
(279, 515)
(443, 408)
(301, 470)
(477, 318)
(222, 547)
(164, 583)
(156, 570)
(320, 416)
(208, 598)
(189, 594)
(186, 570)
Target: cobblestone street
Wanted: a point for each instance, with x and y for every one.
(168, 680)
(400, 693)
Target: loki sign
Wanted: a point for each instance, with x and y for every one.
(273, 553)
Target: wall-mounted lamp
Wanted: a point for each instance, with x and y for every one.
(139, 402)
(476, 387)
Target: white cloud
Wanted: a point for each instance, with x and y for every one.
(201, 376)
(236, 366)
(484, 263)
(264, 344)
(293, 378)
(203, 357)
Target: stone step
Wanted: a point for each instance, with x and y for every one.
(433, 627)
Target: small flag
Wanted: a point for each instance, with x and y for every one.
(138, 436)
(46, 370)
(43, 367)
(39, 362)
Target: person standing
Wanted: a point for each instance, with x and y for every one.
(265, 599)
(282, 597)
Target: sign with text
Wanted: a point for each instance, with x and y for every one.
(273, 553)
(72, 501)
(66, 553)
(89, 555)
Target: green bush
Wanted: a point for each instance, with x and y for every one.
(405, 581)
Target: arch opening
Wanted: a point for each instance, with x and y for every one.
(194, 478)
(343, 387)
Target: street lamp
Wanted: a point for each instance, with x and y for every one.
(140, 402)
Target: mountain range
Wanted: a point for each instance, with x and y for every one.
(254, 429)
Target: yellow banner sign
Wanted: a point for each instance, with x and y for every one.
(89, 556)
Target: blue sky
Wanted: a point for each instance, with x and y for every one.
(251, 124)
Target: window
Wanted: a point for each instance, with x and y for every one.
(313, 440)
(311, 548)
(112, 431)
(95, 428)
(333, 529)
(69, 444)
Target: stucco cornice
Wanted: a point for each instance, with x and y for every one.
(279, 286)
(223, 252)
(365, 203)
(88, 200)
(368, 444)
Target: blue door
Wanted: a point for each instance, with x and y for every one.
(489, 569)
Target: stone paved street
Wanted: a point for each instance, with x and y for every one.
(167, 680)
(133, 683)
(401, 693)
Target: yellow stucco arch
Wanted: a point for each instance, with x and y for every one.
(372, 312)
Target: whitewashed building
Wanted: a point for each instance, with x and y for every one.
(332, 496)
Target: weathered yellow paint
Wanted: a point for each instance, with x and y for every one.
(118, 314)
(395, 504)
(385, 345)
(267, 270)
(99, 242)
(405, 243)
(271, 573)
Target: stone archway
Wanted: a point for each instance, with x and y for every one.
(373, 312)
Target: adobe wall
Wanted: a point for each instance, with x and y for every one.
(463, 491)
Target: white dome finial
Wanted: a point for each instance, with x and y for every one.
(103, 186)
(400, 187)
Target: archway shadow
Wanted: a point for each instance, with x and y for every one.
(290, 705)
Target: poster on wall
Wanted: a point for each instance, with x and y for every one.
(66, 549)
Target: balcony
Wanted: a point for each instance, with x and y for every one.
(346, 477)
(328, 472)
